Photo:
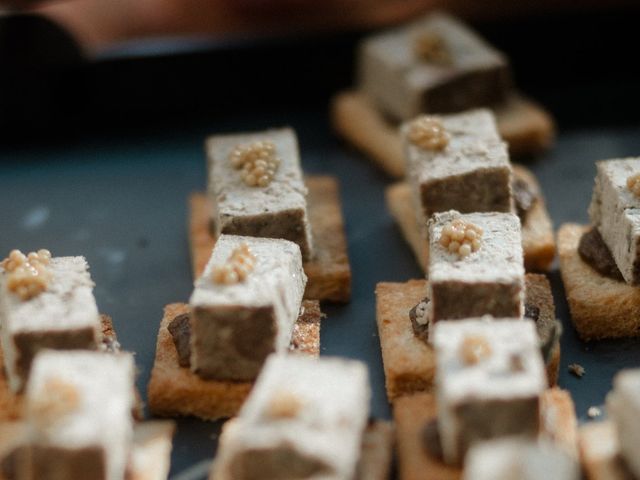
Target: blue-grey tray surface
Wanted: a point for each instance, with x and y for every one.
(121, 201)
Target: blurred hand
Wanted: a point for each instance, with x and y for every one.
(97, 23)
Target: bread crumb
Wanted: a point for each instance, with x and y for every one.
(594, 412)
(577, 369)
(428, 133)
(461, 237)
(238, 266)
(283, 405)
(422, 312)
(474, 348)
(257, 161)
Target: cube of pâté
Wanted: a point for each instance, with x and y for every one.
(63, 317)
(489, 281)
(277, 210)
(234, 327)
(304, 418)
(623, 405)
(615, 211)
(433, 65)
(509, 458)
(489, 379)
(471, 174)
(78, 410)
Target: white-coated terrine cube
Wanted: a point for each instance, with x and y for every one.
(304, 418)
(471, 174)
(514, 458)
(64, 316)
(402, 81)
(277, 210)
(489, 281)
(615, 211)
(623, 405)
(234, 327)
(489, 378)
(79, 414)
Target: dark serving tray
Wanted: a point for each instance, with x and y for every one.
(119, 196)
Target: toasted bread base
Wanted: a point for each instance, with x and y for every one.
(11, 404)
(600, 306)
(328, 272)
(177, 391)
(13, 434)
(523, 124)
(412, 412)
(538, 242)
(409, 363)
(600, 452)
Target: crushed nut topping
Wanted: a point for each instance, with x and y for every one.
(461, 237)
(430, 47)
(57, 399)
(284, 405)
(257, 161)
(633, 184)
(428, 133)
(474, 349)
(27, 275)
(237, 267)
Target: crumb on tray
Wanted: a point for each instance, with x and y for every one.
(594, 412)
(577, 369)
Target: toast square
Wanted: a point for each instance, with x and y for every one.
(409, 363)
(328, 271)
(600, 306)
(177, 391)
(523, 124)
(538, 241)
(412, 412)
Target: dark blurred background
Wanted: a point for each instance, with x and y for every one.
(74, 66)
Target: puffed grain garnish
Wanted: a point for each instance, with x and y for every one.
(461, 237)
(633, 184)
(428, 133)
(284, 405)
(431, 47)
(474, 349)
(57, 400)
(257, 162)
(237, 268)
(27, 275)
